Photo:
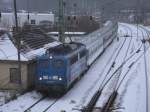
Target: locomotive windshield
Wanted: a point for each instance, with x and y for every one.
(44, 63)
(58, 63)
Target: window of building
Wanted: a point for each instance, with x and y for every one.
(14, 77)
(33, 21)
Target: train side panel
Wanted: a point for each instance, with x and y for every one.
(77, 69)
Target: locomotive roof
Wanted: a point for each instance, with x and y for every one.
(65, 48)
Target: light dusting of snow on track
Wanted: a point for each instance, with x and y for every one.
(21, 103)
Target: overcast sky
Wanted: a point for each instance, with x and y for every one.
(47, 5)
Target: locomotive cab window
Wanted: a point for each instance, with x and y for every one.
(58, 63)
(44, 63)
(74, 59)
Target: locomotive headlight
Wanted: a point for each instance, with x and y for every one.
(60, 78)
(50, 57)
(40, 78)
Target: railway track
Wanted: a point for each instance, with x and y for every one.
(108, 105)
(94, 99)
(29, 108)
(144, 41)
(112, 98)
(44, 103)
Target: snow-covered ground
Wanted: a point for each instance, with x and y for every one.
(21, 103)
(125, 53)
(132, 92)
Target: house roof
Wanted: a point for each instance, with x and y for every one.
(8, 50)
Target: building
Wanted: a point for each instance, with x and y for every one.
(31, 47)
(8, 65)
(8, 19)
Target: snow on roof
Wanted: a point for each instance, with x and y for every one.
(38, 52)
(9, 52)
(68, 33)
(36, 13)
(108, 23)
(7, 49)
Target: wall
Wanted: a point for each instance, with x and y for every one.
(5, 76)
(31, 74)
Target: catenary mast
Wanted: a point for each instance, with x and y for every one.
(61, 21)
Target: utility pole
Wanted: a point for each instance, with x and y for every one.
(15, 12)
(0, 16)
(61, 21)
(137, 18)
(18, 41)
(28, 11)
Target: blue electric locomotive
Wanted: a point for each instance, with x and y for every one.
(61, 66)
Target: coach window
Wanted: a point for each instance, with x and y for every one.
(74, 59)
(33, 21)
(14, 77)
